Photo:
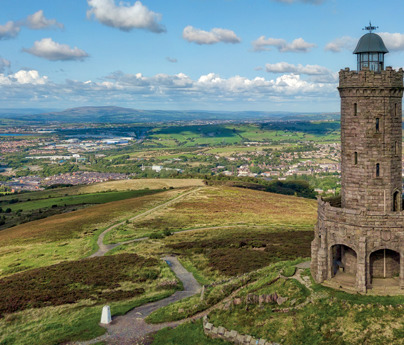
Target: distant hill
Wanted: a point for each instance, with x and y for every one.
(111, 114)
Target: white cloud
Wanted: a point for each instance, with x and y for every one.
(38, 21)
(9, 30)
(4, 64)
(53, 51)
(298, 45)
(216, 35)
(341, 43)
(23, 77)
(170, 59)
(393, 41)
(34, 21)
(179, 90)
(125, 16)
(284, 67)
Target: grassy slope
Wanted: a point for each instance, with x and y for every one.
(122, 185)
(91, 198)
(224, 206)
(67, 236)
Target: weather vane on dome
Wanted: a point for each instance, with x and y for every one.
(370, 28)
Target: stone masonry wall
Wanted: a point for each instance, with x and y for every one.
(363, 232)
(381, 266)
(371, 134)
(231, 336)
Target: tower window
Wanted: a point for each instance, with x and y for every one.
(356, 158)
(396, 148)
(377, 125)
(355, 107)
(378, 170)
(395, 109)
(396, 202)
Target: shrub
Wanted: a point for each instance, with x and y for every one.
(68, 282)
(156, 236)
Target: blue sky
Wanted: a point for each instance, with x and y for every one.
(264, 55)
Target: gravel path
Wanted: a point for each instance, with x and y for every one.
(131, 327)
(104, 248)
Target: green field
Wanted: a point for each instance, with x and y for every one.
(92, 198)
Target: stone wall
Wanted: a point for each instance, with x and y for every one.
(231, 336)
(349, 260)
(364, 233)
(384, 267)
(371, 135)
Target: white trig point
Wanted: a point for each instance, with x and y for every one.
(106, 315)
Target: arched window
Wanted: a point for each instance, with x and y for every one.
(355, 107)
(396, 202)
(378, 170)
(377, 125)
(356, 158)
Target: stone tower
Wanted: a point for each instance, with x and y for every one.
(359, 239)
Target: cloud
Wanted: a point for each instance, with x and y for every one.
(299, 45)
(4, 64)
(313, 2)
(53, 51)
(393, 41)
(341, 43)
(284, 67)
(23, 77)
(216, 35)
(176, 91)
(173, 60)
(9, 30)
(125, 16)
(37, 21)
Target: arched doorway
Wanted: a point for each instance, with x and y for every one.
(384, 267)
(344, 265)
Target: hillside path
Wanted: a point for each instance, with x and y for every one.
(131, 328)
(104, 248)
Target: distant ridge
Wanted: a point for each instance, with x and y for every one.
(113, 114)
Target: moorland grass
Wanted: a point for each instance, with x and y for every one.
(334, 317)
(91, 198)
(79, 320)
(68, 236)
(65, 323)
(187, 334)
(223, 206)
(109, 278)
(109, 186)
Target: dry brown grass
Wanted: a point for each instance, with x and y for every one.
(141, 184)
(69, 236)
(229, 206)
(68, 225)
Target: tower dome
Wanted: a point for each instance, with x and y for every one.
(370, 43)
(370, 51)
